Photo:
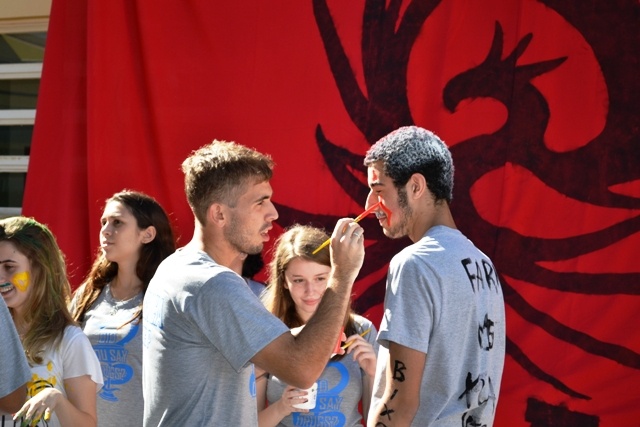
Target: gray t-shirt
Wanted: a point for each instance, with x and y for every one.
(14, 370)
(118, 345)
(340, 389)
(201, 326)
(444, 299)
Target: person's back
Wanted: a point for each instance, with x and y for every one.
(445, 272)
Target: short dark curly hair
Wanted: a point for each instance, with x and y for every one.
(412, 149)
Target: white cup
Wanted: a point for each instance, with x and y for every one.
(312, 393)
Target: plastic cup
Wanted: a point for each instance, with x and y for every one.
(312, 394)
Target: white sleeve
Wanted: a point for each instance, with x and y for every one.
(78, 357)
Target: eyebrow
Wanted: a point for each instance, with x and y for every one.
(6, 260)
(112, 215)
(263, 198)
(315, 275)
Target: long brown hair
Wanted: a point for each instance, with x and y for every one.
(298, 241)
(147, 212)
(46, 313)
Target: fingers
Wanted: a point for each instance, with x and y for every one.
(346, 228)
(38, 407)
(363, 353)
(358, 233)
(293, 396)
(32, 414)
(360, 348)
(347, 248)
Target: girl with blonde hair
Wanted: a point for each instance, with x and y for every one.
(65, 371)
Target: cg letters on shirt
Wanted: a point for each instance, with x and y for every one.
(479, 390)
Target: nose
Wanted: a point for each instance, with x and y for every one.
(371, 200)
(273, 212)
(105, 229)
(308, 287)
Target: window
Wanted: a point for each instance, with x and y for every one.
(21, 53)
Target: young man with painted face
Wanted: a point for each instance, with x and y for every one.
(442, 336)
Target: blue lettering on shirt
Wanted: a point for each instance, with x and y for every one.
(328, 403)
(113, 361)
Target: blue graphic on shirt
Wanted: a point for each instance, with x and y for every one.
(113, 358)
(252, 382)
(327, 412)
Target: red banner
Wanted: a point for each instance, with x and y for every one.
(539, 102)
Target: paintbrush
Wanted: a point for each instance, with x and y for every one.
(358, 218)
(363, 334)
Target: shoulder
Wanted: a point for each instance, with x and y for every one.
(194, 265)
(410, 260)
(72, 333)
(73, 340)
(437, 245)
(77, 293)
(362, 322)
(79, 290)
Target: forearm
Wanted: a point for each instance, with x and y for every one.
(13, 401)
(318, 338)
(367, 391)
(70, 416)
(401, 399)
(386, 416)
(327, 322)
(79, 407)
(305, 356)
(300, 360)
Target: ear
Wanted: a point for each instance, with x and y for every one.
(416, 186)
(148, 234)
(216, 214)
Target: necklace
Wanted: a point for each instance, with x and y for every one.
(115, 305)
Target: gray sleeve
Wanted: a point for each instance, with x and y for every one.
(233, 319)
(14, 370)
(410, 305)
(364, 324)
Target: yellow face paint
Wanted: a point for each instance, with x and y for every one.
(21, 280)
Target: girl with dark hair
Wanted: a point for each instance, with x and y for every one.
(135, 237)
(65, 373)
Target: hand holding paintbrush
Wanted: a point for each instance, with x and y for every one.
(362, 352)
(358, 218)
